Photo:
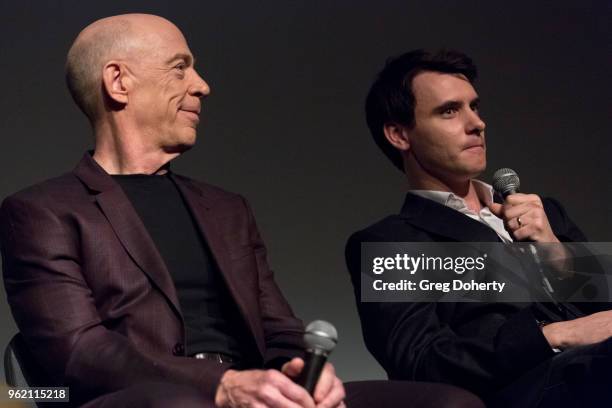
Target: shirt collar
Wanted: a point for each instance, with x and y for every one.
(484, 192)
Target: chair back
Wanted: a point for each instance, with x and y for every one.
(14, 352)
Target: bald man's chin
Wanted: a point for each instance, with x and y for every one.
(179, 148)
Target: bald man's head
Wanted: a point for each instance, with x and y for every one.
(117, 37)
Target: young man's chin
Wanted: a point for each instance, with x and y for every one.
(476, 168)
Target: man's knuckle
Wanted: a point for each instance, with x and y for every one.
(266, 392)
(270, 376)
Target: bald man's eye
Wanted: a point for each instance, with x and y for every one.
(181, 67)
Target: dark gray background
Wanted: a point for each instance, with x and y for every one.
(285, 125)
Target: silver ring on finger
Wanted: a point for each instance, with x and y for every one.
(520, 223)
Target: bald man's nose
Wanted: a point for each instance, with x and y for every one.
(199, 87)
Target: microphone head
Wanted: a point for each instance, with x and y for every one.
(320, 335)
(506, 181)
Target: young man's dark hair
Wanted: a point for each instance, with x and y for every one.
(391, 99)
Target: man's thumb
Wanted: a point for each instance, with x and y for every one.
(293, 368)
(496, 209)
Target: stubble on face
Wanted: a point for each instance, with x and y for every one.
(447, 139)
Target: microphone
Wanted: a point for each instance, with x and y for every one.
(506, 182)
(320, 338)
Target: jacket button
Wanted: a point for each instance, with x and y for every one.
(178, 349)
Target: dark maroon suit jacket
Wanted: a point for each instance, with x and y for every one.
(92, 296)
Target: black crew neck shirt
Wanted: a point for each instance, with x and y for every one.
(212, 321)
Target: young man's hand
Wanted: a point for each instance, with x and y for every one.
(525, 218)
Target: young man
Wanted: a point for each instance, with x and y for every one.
(423, 113)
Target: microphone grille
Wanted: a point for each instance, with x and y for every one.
(321, 335)
(506, 181)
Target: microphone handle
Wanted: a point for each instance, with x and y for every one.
(507, 193)
(548, 289)
(313, 365)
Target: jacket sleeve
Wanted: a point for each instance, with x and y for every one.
(412, 342)
(587, 265)
(282, 330)
(563, 227)
(55, 311)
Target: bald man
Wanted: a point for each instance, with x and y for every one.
(136, 286)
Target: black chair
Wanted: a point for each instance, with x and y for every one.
(14, 353)
(20, 368)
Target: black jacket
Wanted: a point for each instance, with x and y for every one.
(477, 346)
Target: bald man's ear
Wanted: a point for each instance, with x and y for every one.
(397, 136)
(115, 78)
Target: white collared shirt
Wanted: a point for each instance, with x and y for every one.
(484, 192)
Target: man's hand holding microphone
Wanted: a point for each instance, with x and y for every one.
(309, 383)
(526, 220)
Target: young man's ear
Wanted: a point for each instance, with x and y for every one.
(397, 135)
(116, 81)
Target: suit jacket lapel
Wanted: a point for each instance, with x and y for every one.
(206, 211)
(444, 221)
(454, 226)
(126, 223)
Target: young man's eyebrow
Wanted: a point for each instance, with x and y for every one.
(447, 105)
(454, 105)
